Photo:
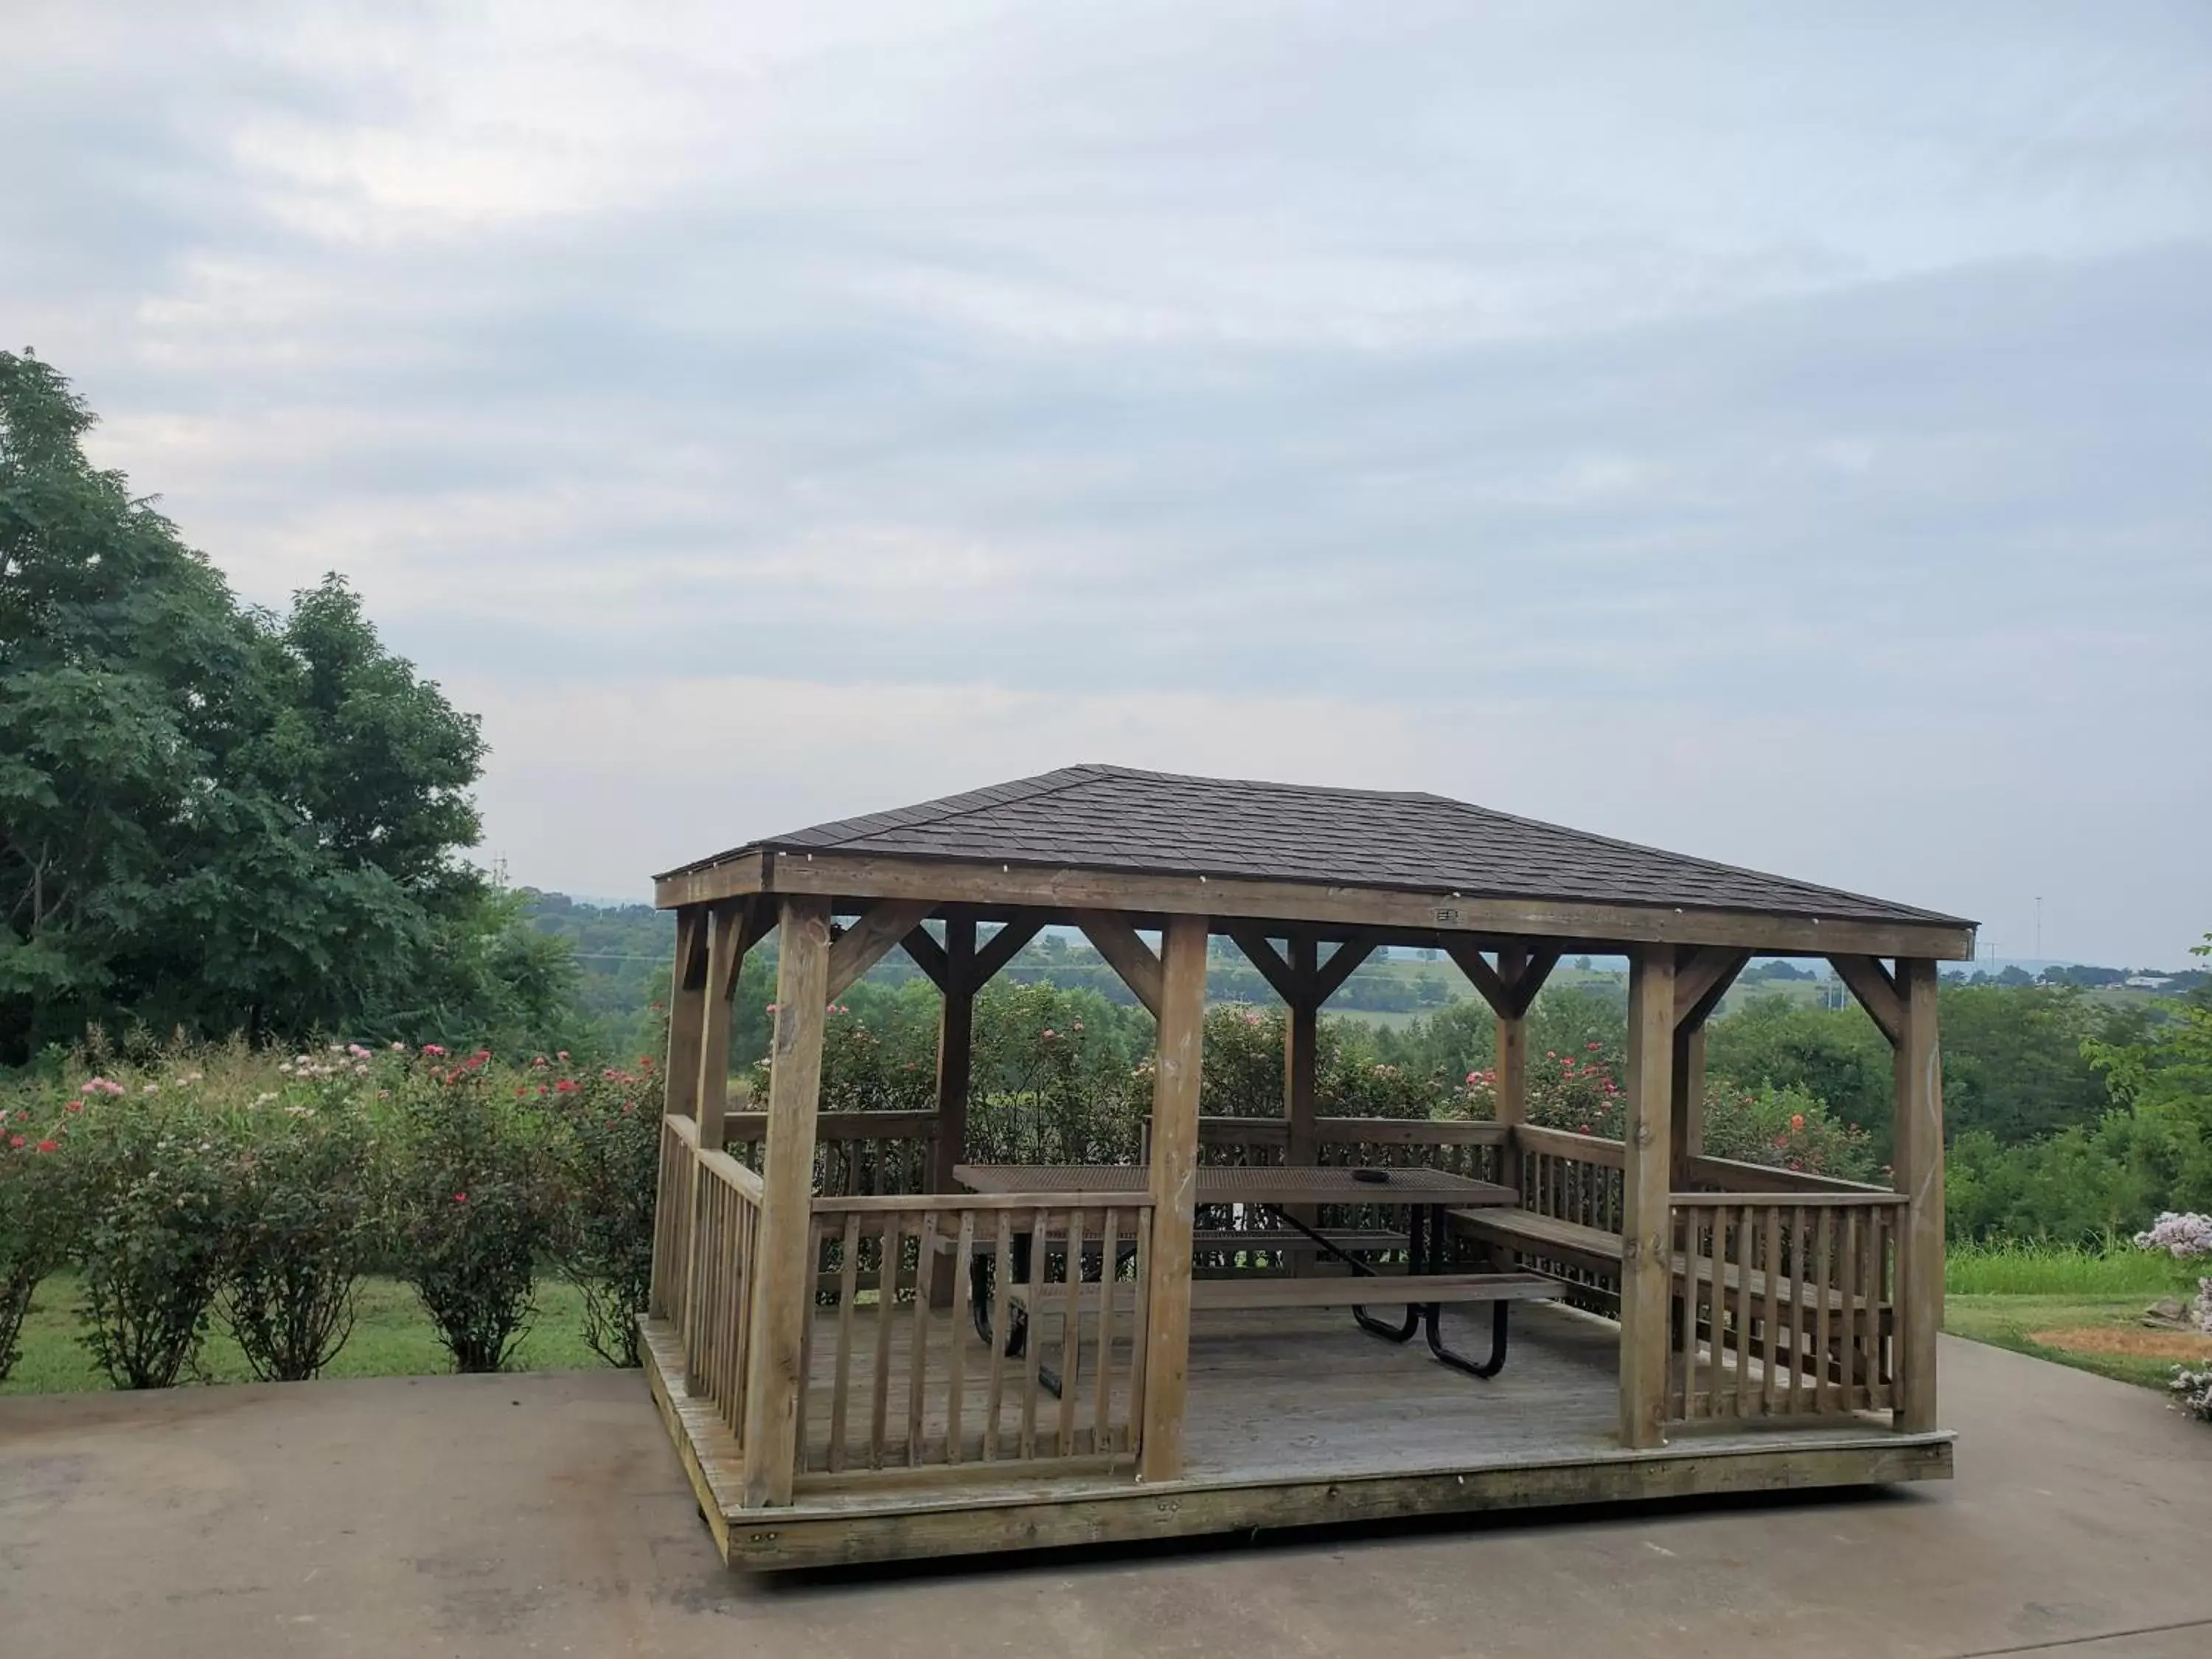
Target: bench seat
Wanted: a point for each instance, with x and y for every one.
(1528, 1233)
(1385, 1290)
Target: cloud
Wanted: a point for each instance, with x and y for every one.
(1775, 437)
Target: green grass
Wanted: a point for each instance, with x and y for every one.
(391, 1338)
(2011, 1322)
(2010, 1268)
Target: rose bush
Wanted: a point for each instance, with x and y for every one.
(37, 1213)
(468, 1201)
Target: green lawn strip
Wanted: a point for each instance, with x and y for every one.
(391, 1338)
(2006, 1322)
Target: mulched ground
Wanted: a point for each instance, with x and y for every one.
(2140, 1342)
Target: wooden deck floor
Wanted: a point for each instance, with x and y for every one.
(1301, 1405)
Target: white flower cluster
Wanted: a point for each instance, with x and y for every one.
(2184, 1237)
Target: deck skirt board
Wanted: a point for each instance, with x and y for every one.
(1295, 1417)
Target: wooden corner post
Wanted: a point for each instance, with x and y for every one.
(1301, 1044)
(956, 1050)
(1510, 1067)
(1647, 1221)
(784, 1278)
(732, 931)
(687, 1012)
(1919, 1176)
(1174, 1194)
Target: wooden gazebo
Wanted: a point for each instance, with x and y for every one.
(864, 1351)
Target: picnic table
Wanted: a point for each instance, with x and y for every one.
(1424, 1194)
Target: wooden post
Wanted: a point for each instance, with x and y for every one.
(783, 1284)
(1174, 1194)
(1301, 1032)
(1301, 1041)
(687, 1012)
(726, 941)
(1510, 1067)
(1918, 1163)
(955, 1048)
(1687, 1087)
(1646, 1226)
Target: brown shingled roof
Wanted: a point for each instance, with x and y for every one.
(1111, 817)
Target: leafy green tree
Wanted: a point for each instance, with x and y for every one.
(1837, 1056)
(215, 818)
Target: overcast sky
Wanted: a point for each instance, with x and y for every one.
(1783, 433)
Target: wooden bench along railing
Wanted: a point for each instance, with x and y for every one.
(1568, 1224)
(855, 1152)
(1803, 1285)
(895, 1383)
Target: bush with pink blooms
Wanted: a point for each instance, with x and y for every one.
(37, 1211)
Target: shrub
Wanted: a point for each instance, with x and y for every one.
(156, 1190)
(467, 1204)
(301, 1232)
(2192, 1391)
(36, 1222)
(610, 1152)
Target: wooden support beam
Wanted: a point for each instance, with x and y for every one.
(1687, 1096)
(1003, 947)
(955, 1048)
(1703, 975)
(732, 930)
(926, 954)
(1646, 1222)
(1488, 982)
(1876, 991)
(1301, 1067)
(1260, 951)
(1918, 1165)
(783, 1276)
(872, 938)
(1530, 980)
(1112, 937)
(687, 1012)
(1301, 1043)
(1329, 977)
(1509, 1064)
(1182, 1016)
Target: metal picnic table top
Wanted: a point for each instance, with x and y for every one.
(1223, 1183)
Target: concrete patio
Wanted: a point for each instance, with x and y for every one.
(547, 1514)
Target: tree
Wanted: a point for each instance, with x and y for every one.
(212, 818)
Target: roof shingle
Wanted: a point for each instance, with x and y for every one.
(1112, 818)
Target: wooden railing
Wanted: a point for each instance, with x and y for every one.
(855, 1152)
(1574, 1178)
(1784, 1306)
(1727, 1175)
(671, 1219)
(1472, 1148)
(896, 1383)
(725, 1217)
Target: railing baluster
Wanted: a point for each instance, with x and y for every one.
(956, 1386)
(917, 1359)
(849, 1274)
(1771, 1332)
(1071, 1344)
(891, 1245)
(1820, 1264)
(1001, 1281)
